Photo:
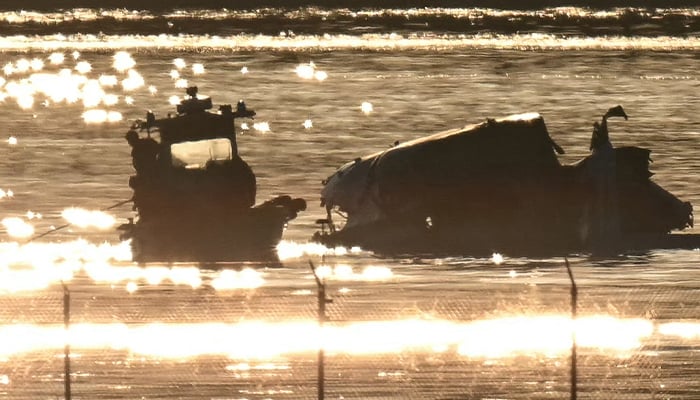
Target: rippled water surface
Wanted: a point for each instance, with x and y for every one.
(328, 87)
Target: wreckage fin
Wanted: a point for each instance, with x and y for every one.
(616, 111)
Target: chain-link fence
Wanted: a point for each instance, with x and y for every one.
(411, 331)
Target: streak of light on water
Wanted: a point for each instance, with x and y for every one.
(365, 42)
(496, 338)
(36, 266)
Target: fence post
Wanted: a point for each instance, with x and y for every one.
(322, 318)
(66, 349)
(574, 301)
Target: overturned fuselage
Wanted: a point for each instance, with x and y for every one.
(497, 186)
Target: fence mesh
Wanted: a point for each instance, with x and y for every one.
(455, 333)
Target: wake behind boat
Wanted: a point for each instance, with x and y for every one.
(194, 195)
(499, 186)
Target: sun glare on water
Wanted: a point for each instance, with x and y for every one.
(30, 82)
(309, 71)
(123, 61)
(85, 218)
(17, 228)
(197, 68)
(98, 116)
(262, 127)
(496, 338)
(287, 250)
(346, 272)
(179, 63)
(36, 266)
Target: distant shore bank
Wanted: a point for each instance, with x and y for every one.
(161, 5)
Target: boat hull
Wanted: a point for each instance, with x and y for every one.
(248, 235)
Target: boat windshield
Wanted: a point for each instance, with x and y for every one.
(196, 154)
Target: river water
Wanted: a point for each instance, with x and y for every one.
(329, 86)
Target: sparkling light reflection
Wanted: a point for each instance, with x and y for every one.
(287, 250)
(133, 81)
(379, 41)
(497, 338)
(197, 68)
(305, 71)
(100, 116)
(6, 193)
(262, 127)
(36, 266)
(686, 330)
(346, 273)
(29, 84)
(17, 228)
(245, 279)
(497, 258)
(179, 63)
(56, 58)
(86, 218)
(123, 61)
(83, 67)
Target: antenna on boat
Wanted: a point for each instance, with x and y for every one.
(322, 318)
(66, 349)
(574, 301)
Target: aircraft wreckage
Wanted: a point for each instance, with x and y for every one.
(499, 186)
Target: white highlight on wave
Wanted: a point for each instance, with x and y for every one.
(309, 71)
(524, 41)
(496, 338)
(287, 249)
(133, 81)
(197, 68)
(36, 266)
(231, 280)
(179, 63)
(98, 116)
(94, 14)
(686, 330)
(262, 127)
(17, 228)
(85, 218)
(27, 81)
(123, 61)
(497, 258)
(346, 272)
(366, 107)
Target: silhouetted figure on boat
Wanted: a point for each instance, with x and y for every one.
(144, 153)
(601, 220)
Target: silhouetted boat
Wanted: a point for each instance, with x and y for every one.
(498, 186)
(194, 195)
